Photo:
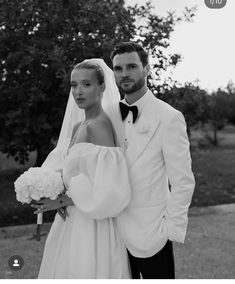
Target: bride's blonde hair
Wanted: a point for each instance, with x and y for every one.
(92, 66)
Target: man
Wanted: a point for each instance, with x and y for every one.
(156, 145)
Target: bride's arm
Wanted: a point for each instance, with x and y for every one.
(99, 133)
(102, 189)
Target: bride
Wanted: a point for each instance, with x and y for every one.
(86, 243)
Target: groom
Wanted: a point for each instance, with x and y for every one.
(156, 145)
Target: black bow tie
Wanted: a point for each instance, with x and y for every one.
(125, 110)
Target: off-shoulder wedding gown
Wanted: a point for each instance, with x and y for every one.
(87, 244)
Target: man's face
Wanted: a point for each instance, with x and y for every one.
(129, 72)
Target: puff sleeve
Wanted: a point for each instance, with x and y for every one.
(97, 180)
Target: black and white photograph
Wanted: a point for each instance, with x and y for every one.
(117, 139)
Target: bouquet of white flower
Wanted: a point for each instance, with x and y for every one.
(37, 183)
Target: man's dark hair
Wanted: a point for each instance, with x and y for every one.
(128, 47)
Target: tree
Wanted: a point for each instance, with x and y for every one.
(231, 108)
(153, 32)
(218, 112)
(230, 89)
(39, 48)
(191, 100)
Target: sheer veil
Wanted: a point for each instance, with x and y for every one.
(74, 115)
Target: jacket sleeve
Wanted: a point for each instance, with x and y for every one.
(178, 164)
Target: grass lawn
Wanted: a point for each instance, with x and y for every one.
(214, 174)
(213, 167)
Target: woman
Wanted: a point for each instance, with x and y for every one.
(86, 244)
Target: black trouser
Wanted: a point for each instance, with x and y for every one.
(159, 266)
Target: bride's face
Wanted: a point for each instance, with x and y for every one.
(85, 88)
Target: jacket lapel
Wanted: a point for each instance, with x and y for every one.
(144, 130)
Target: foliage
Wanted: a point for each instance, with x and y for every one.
(191, 100)
(154, 32)
(231, 108)
(219, 108)
(199, 107)
(218, 112)
(37, 50)
(230, 89)
(39, 47)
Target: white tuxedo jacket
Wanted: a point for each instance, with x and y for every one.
(155, 213)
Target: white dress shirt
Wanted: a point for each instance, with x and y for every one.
(129, 126)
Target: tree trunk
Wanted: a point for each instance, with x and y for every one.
(215, 139)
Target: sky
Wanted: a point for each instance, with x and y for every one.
(207, 45)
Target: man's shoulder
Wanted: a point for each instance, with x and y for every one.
(163, 107)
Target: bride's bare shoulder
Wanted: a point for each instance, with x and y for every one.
(100, 131)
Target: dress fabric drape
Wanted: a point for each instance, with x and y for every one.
(87, 244)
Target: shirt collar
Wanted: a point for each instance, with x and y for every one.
(140, 103)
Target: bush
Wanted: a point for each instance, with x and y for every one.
(22, 215)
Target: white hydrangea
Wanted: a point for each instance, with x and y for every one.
(37, 183)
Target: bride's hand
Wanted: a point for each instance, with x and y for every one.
(63, 213)
(46, 204)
